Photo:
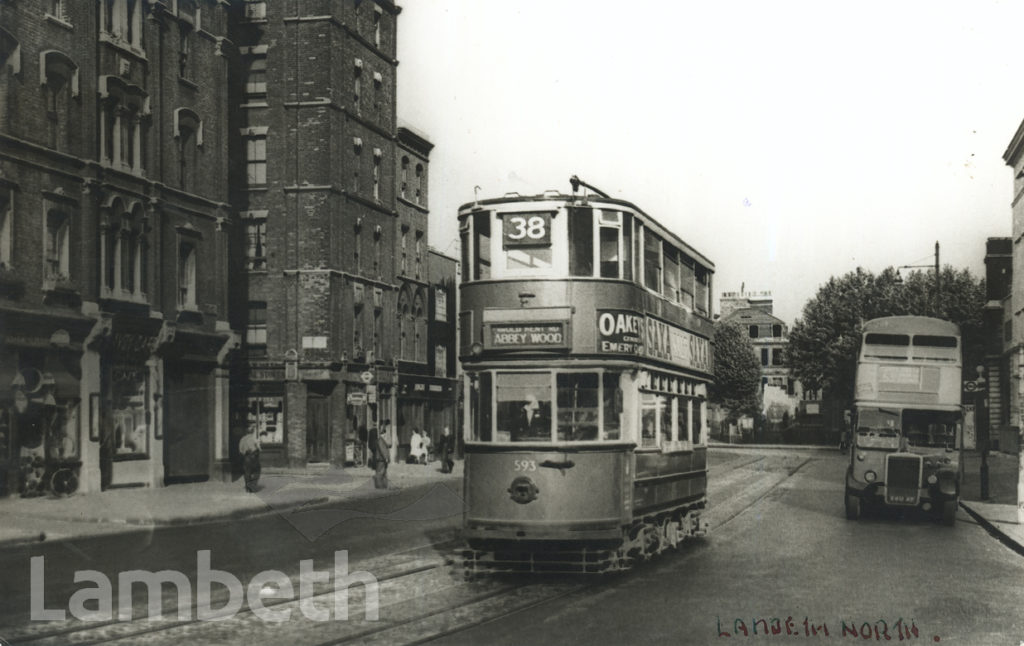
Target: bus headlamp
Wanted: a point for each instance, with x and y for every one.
(932, 479)
(870, 476)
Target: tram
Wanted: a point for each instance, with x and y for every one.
(586, 353)
(908, 423)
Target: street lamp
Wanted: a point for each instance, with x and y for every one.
(938, 277)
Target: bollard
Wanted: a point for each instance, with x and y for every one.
(984, 471)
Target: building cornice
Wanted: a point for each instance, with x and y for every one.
(1013, 151)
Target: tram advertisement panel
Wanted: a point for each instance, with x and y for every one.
(627, 332)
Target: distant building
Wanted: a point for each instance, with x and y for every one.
(752, 311)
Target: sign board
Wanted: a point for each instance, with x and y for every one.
(526, 229)
(628, 332)
(970, 386)
(366, 376)
(527, 335)
(356, 399)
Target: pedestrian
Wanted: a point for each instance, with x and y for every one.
(249, 448)
(417, 453)
(383, 456)
(444, 447)
(371, 444)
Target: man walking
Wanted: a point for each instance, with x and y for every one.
(380, 476)
(249, 448)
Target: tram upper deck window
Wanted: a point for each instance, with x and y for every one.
(652, 261)
(526, 240)
(671, 274)
(686, 280)
(702, 290)
(581, 242)
(616, 242)
(482, 245)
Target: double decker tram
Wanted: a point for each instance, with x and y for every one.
(586, 352)
(908, 418)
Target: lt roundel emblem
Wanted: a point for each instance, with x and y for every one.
(523, 490)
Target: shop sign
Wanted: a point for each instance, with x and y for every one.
(528, 335)
(316, 374)
(625, 332)
(356, 399)
(366, 376)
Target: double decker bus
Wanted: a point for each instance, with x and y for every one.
(907, 418)
(586, 352)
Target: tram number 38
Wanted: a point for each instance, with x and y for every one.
(534, 228)
(526, 465)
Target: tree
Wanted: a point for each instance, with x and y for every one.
(824, 342)
(737, 386)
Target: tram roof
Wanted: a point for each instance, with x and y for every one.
(911, 325)
(589, 200)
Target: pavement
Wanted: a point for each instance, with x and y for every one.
(27, 520)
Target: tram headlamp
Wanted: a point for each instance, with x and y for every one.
(870, 476)
(861, 456)
(476, 349)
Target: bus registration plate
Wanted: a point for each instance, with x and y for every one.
(901, 496)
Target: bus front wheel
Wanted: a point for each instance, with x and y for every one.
(852, 507)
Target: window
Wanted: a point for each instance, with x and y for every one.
(57, 9)
(58, 246)
(256, 329)
(378, 245)
(523, 406)
(777, 355)
(610, 234)
(652, 261)
(256, 160)
(420, 192)
(357, 79)
(581, 242)
(702, 291)
(376, 174)
(419, 348)
(122, 21)
(764, 356)
(256, 244)
(671, 287)
(686, 275)
(255, 9)
(357, 243)
(482, 245)
(377, 19)
(578, 401)
(526, 238)
(419, 254)
(403, 261)
(6, 228)
(123, 109)
(186, 276)
(440, 304)
(440, 361)
(256, 77)
(754, 331)
(125, 254)
(188, 133)
(185, 36)
(654, 419)
(129, 416)
(59, 85)
(404, 174)
(266, 417)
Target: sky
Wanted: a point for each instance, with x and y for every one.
(788, 141)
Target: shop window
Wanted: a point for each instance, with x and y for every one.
(58, 247)
(186, 276)
(256, 244)
(266, 418)
(129, 418)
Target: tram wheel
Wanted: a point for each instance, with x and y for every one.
(852, 507)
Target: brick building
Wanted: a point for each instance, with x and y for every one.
(114, 229)
(332, 277)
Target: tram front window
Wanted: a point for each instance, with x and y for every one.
(523, 406)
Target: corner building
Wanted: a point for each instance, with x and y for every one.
(315, 146)
(114, 230)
